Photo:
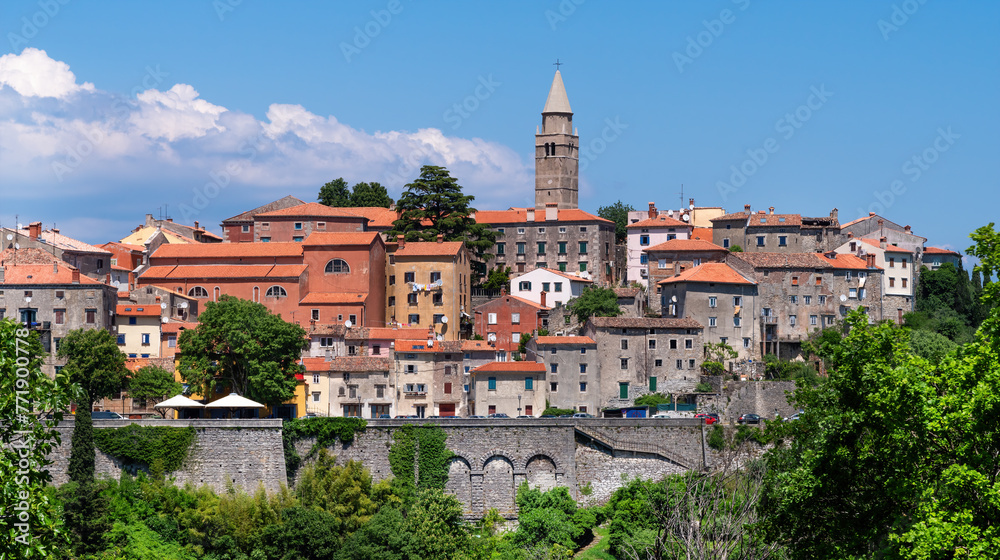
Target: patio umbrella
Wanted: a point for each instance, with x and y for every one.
(232, 401)
(178, 402)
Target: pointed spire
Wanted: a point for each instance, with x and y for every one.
(557, 102)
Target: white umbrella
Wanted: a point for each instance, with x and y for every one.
(233, 400)
(180, 401)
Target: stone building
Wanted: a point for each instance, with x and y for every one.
(652, 231)
(673, 257)
(502, 322)
(934, 257)
(874, 226)
(296, 223)
(557, 152)
(429, 378)
(349, 386)
(798, 293)
(632, 301)
(782, 233)
(91, 261)
(719, 297)
(240, 228)
(53, 298)
(511, 388)
(571, 366)
(637, 356)
(899, 273)
(428, 285)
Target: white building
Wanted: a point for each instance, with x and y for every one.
(898, 273)
(648, 233)
(559, 287)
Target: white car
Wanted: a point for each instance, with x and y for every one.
(661, 415)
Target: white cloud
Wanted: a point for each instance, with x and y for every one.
(175, 113)
(34, 74)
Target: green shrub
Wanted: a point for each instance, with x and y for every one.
(717, 438)
(159, 447)
(703, 388)
(652, 399)
(713, 368)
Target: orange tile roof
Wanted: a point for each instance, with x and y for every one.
(319, 238)
(686, 245)
(563, 340)
(662, 220)
(135, 364)
(520, 215)
(477, 346)
(888, 246)
(767, 220)
(309, 209)
(429, 249)
(247, 216)
(940, 251)
(329, 298)
(152, 310)
(529, 302)
(713, 273)
(378, 217)
(177, 326)
(316, 363)
(566, 275)
(419, 345)
(228, 250)
(223, 271)
(848, 261)
(38, 274)
(124, 295)
(704, 233)
(510, 367)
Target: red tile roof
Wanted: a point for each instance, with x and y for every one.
(477, 346)
(686, 245)
(329, 298)
(419, 345)
(510, 367)
(563, 340)
(709, 273)
(177, 326)
(776, 220)
(223, 271)
(429, 249)
(384, 333)
(502, 300)
(228, 250)
(152, 310)
(124, 295)
(316, 363)
(661, 220)
(39, 274)
(378, 217)
(319, 238)
(567, 275)
(704, 233)
(247, 216)
(644, 323)
(888, 246)
(848, 261)
(310, 210)
(520, 215)
(940, 251)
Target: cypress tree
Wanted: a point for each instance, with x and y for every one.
(81, 459)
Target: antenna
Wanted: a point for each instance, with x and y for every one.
(682, 195)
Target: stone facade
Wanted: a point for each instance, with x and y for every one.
(557, 152)
(728, 311)
(428, 285)
(511, 388)
(782, 233)
(571, 366)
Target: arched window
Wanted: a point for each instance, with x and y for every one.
(198, 292)
(256, 294)
(337, 266)
(276, 291)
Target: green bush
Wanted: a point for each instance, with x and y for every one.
(553, 411)
(652, 399)
(717, 438)
(160, 446)
(327, 432)
(703, 388)
(713, 368)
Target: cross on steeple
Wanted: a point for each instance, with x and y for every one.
(557, 64)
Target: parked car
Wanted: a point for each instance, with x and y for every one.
(407, 416)
(477, 416)
(525, 416)
(383, 416)
(106, 415)
(583, 415)
(499, 415)
(661, 415)
(709, 417)
(749, 419)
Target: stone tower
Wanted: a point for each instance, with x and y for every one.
(557, 152)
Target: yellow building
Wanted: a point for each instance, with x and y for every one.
(139, 330)
(428, 285)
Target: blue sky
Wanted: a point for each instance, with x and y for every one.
(111, 110)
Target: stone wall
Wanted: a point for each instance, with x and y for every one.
(743, 397)
(244, 453)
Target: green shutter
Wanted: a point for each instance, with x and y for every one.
(623, 390)
(652, 383)
(493, 383)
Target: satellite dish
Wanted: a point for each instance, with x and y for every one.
(843, 297)
(10, 236)
(163, 306)
(691, 206)
(444, 319)
(673, 298)
(183, 305)
(164, 319)
(492, 337)
(430, 343)
(670, 213)
(348, 323)
(17, 245)
(686, 218)
(27, 299)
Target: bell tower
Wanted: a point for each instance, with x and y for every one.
(557, 152)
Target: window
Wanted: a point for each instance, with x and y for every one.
(737, 301)
(903, 262)
(853, 293)
(652, 344)
(892, 282)
(265, 239)
(337, 266)
(691, 363)
(562, 247)
(712, 322)
(411, 298)
(624, 344)
(314, 313)
(829, 319)
(515, 337)
(795, 280)
(583, 266)
(807, 299)
(623, 390)
(352, 350)
(521, 247)
(447, 388)
(760, 240)
(121, 340)
(559, 286)
(688, 343)
(822, 300)
(91, 316)
(624, 363)
(652, 384)
(847, 275)
(265, 225)
(554, 368)
(491, 318)
(746, 342)
(562, 267)
(520, 231)
(246, 229)
(297, 239)
(736, 321)
(325, 341)
(315, 396)
(725, 243)
(643, 258)
(298, 225)
(541, 247)
(904, 282)
(392, 301)
(437, 298)
(60, 316)
(133, 320)
(515, 318)
(411, 368)
(435, 276)
(793, 299)
(315, 379)
(792, 319)
(198, 292)
(583, 247)
(529, 383)
(673, 344)
(782, 241)
(583, 350)
(59, 294)
(276, 291)
(813, 320)
(492, 383)
(545, 286)
(414, 318)
(524, 286)
(320, 225)
(680, 364)
(438, 318)
(171, 341)
(819, 280)
(892, 262)
(643, 240)
(583, 229)
(500, 248)
(583, 386)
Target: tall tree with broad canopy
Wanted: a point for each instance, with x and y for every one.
(594, 301)
(241, 345)
(153, 384)
(335, 193)
(94, 362)
(617, 213)
(370, 194)
(434, 204)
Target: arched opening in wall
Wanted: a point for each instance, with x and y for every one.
(460, 482)
(541, 473)
(498, 485)
(256, 294)
(216, 295)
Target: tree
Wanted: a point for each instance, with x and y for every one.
(153, 384)
(370, 194)
(736, 249)
(434, 204)
(335, 193)
(617, 213)
(594, 301)
(242, 345)
(719, 352)
(94, 362)
(26, 396)
(347, 492)
(498, 278)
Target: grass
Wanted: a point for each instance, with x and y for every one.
(600, 550)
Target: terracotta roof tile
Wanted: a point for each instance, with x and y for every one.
(502, 301)
(330, 298)
(319, 238)
(776, 220)
(134, 310)
(309, 210)
(711, 273)
(228, 250)
(567, 275)
(223, 271)
(378, 217)
(783, 260)
(360, 363)
(627, 292)
(124, 295)
(42, 274)
(888, 246)
(686, 245)
(644, 323)
(848, 261)
(418, 345)
(429, 249)
(661, 220)
(734, 216)
(940, 251)
(177, 326)
(520, 215)
(384, 333)
(563, 340)
(247, 216)
(477, 346)
(703, 233)
(28, 255)
(510, 367)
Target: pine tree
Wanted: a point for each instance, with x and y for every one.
(335, 193)
(81, 458)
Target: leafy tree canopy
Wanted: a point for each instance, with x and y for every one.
(594, 301)
(335, 193)
(242, 345)
(94, 362)
(370, 194)
(498, 278)
(617, 213)
(153, 384)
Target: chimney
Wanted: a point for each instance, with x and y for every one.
(771, 209)
(652, 210)
(551, 212)
(542, 300)
(157, 299)
(503, 290)
(107, 280)
(690, 202)
(35, 229)
(149, 220)
(440, 238)
(531, 214)
(171, 220)
(196, 225)
(907, 229)
(1, 273)
(881, 242)
(401, 241)
(55, 268)
(871, 214)
(76, 275)
(850, 235)
(746, 208)
(835, 214)
(55, 231)
(871, 260)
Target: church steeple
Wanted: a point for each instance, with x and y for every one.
(557, 153)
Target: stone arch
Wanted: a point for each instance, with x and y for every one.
(496, 452)
(498, 484)
(532, 454)
(540, 471)
(460, 481)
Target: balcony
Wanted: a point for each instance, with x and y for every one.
(769, 319)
